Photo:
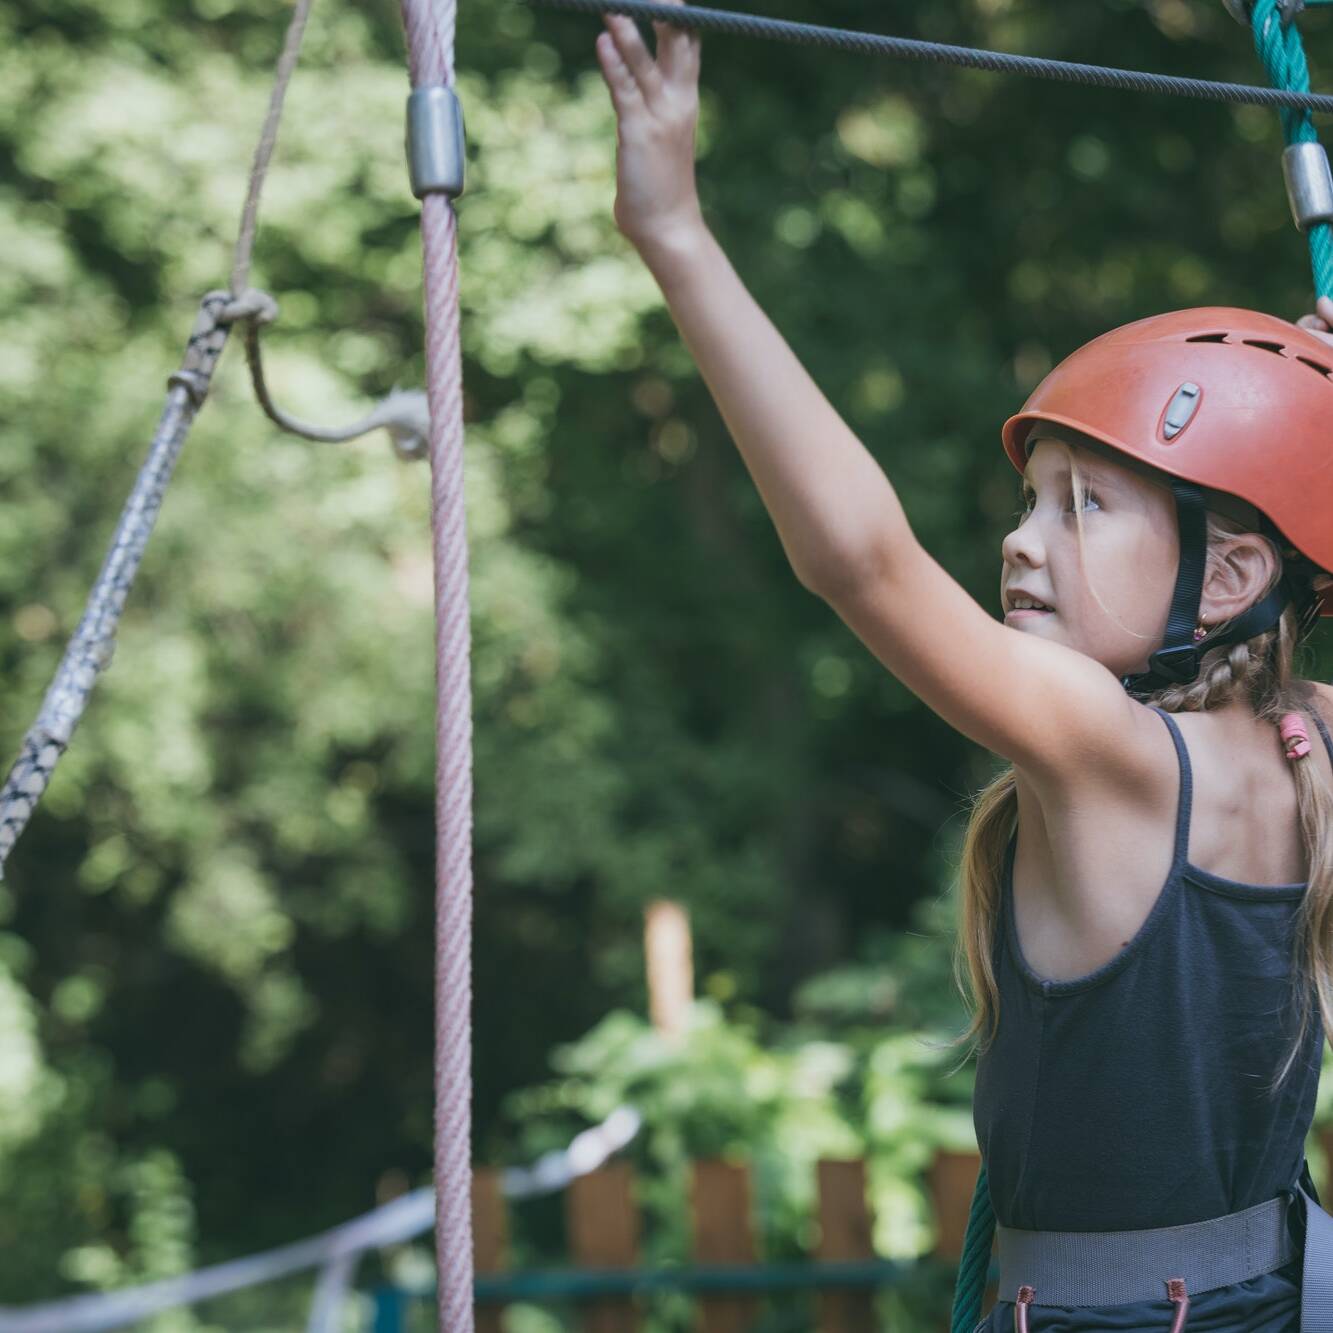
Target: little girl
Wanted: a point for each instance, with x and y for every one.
(1147, 893)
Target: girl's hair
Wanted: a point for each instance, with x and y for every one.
(1258, 671)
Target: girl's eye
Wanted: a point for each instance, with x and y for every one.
(1029, 499)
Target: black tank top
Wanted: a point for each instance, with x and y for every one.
(1135, 1096)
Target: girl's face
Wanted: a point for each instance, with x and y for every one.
(1131, 552)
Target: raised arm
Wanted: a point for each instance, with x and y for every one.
(829, 499)
(838, 517)
(826, 494)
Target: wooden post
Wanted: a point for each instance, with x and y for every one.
(490, 1240)
(670, 967)
(720, 1208)
(603, 1226)
(953, 1181)
(844, 1237)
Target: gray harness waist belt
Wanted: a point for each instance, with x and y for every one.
(1120, 1267)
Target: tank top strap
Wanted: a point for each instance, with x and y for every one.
(1187, 778)
(1323, 731)
(1186, 802)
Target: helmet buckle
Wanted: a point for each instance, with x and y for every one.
(1178, 664)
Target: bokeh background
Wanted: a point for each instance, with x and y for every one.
(215, 937)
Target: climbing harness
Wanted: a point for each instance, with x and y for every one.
(1095, 1268)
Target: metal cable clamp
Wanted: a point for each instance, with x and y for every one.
(436, 144)
(1309, 184)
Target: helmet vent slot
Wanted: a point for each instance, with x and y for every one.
(1267, 346)
(1207, 338)
(1314, 365)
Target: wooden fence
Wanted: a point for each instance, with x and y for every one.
(725, 1275)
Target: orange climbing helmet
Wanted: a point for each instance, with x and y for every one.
(1217, 397)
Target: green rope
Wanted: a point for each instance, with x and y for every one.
(971, 1282)
(1283, 55)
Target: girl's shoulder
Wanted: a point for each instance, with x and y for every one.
(1093, 856)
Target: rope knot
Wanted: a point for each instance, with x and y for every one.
(252, 304)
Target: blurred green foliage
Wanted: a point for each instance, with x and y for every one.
(215, 943)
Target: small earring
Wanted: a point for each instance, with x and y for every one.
(1200, 630)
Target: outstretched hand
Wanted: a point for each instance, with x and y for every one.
(1320, 324)
(657, 110)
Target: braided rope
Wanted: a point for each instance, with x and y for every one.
(430, 43)
(389, 1224)
(93, 643)
(1064, 71)
(402, 413)
(268, 137)
(1283, 54)
(970, 1286)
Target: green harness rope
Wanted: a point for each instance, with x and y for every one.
(1283, 54)
(972, 1268)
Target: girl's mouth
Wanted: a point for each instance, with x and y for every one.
(1027, 613)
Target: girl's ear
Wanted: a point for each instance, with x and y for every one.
(1238, 571)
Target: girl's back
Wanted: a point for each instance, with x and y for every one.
(1091, 859)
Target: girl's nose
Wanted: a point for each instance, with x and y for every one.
(1023, 546)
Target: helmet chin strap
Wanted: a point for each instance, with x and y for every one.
(1176, 662)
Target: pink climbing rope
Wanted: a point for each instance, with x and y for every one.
(430, 44)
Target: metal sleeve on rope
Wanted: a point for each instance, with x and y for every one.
(1279, 46)
(436, 144)
(1309, 184)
